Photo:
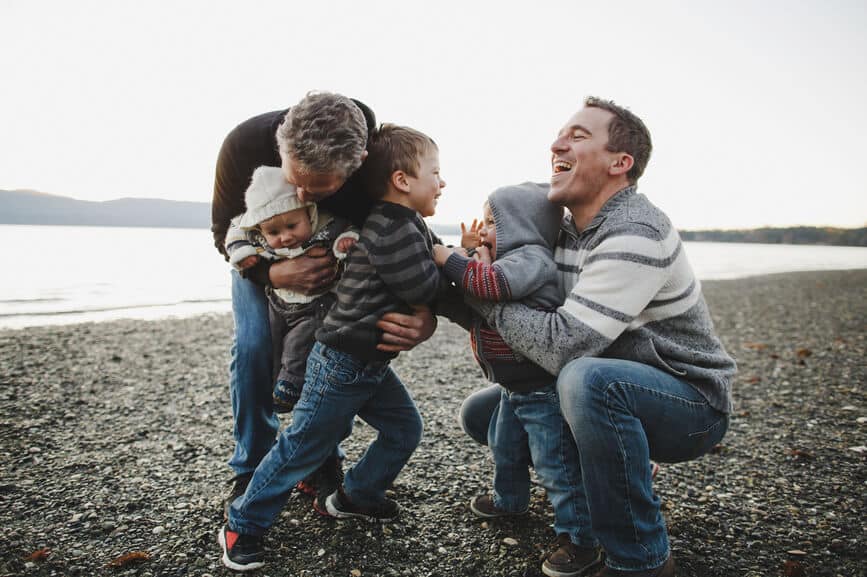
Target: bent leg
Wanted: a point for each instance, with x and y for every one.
(622, 414)
(250, 382)
(477, 412)
(392, 412)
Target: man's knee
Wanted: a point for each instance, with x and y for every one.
(582, 384)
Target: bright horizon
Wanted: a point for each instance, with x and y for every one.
(755, 108)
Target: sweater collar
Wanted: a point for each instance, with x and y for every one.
(620, 197)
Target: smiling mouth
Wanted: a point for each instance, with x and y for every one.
(487, 244)
(561, 166)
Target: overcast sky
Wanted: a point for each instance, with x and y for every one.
(757, 108)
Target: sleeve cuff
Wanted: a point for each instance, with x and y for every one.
(454, 268)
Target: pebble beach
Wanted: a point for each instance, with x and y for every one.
(115, 438)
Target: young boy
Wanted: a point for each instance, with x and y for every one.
(390, 268)
(514, 260)
(279, 225)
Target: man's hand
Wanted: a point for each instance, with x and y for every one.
(248, 262)
(307, 274)
(402, 332)
(470, 236)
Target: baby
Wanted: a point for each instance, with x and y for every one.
(278, 225)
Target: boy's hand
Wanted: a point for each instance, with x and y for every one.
(346, 243)
(402, 332)
(441, 254)
(470, 237)
(483, 254)
(307, 274)
(248, 262)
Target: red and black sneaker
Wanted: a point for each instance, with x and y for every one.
(339, 505)
(241, 552)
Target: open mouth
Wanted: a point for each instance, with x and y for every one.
(561, 166)
(489, 245)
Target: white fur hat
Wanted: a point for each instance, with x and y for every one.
(268, 195)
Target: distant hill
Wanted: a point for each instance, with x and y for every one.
(31, 207)
(788, 235)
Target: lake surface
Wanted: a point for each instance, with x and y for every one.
(70, 274)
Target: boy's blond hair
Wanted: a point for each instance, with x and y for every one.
(392, 148)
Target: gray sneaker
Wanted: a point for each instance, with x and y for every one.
(338, 505)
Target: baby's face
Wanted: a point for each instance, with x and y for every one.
(488, 232)
(287, 230)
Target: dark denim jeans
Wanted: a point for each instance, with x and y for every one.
(623, 414)
(337, 387)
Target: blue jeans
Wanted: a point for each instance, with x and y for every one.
(250, 378)
(623, 414)
(337, 387)
(530, 426)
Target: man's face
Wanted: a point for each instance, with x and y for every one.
(579, 160)
(426, 187)
(311, 186)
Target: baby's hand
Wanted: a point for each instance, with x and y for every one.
(483, 254)
(346, 243)
(248, 262)
(470, 238)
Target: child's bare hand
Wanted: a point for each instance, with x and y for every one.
(483, 254)
(248, 262)
(441, 254)
(346, 243)
(470, 237)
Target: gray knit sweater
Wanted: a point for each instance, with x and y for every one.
(632, 295)
(390, 268)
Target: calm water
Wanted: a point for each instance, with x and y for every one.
(66, 274)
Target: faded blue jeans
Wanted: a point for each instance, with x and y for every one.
(337, 387)
(529, 426)
(623, 414)
(250, 380)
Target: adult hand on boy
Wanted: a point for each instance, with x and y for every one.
(402, 332)
(306, 274)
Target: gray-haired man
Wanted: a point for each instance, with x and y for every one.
(319, 142)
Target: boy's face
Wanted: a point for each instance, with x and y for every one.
(287, 230)
(488, 232)
(425, 188)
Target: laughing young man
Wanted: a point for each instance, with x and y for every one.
(641, 374)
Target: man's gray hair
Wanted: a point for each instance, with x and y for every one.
(324, 133)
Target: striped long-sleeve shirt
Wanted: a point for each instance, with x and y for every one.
(389, 269)
(631, 294)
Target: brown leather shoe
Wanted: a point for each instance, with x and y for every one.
(570, 560)
(664, 570)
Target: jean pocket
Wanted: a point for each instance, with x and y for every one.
(340, 374)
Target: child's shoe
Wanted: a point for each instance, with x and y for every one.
(241, 552)
(338, 505)
(569, 560)
(483, 506)
(285, 396)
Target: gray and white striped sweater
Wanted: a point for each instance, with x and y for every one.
(390, 268)
(631, 294)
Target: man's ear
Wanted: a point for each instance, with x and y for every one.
(400, 181)
(621, 164)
